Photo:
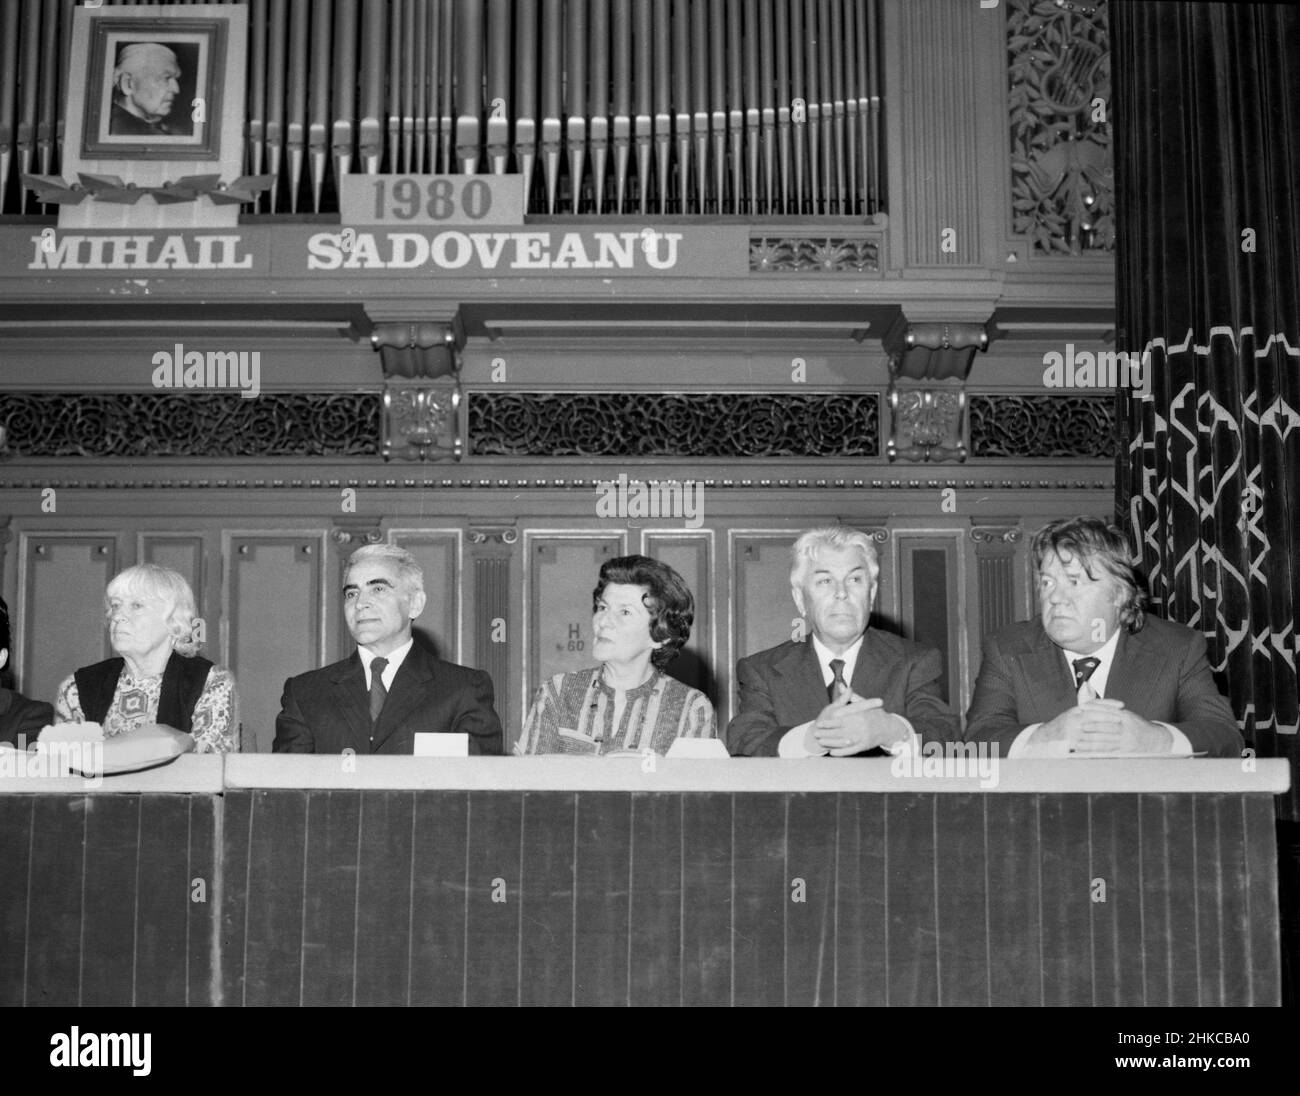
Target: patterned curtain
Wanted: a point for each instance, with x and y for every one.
(1207, 165)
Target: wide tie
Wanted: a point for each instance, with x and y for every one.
(378, 694)
(838, 686)
(1083, 668)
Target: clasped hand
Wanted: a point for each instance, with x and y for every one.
(853, 724)
(1103, 726)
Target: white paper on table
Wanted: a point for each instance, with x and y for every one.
(1112, 755)
(433, 744)
(699, 748)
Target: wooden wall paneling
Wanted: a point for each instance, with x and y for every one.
(861, 911)
(1210, 914)
(1115, 894)
(763, 613)
(657, 910)
(274, 587)
(701, 898)
(331, 871)
(110, 867)
(708, 899)
(182, 553)
(932, 602)
(496, 623)
(811, 939)
(1181, 863)
(96, 899)
(440, 898)
(912, 971)
(560, 571)
(383, 905)
(1153, 951)
(62, 580)
(961, 899)
(995, 547)
(691, 555)
(1015, 888)
(54, 894)
(1257, 856)
(165, 895)
(203, 910)
(493, 905)
(17, 817)
(274, 860)
(440, 554)
(1066, 918)
(762, 893)
(602, 904)
(236, 819)
(546, 955)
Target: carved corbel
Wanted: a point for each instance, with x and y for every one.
(423, 417)
(928, 367)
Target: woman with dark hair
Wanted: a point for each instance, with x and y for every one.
(642, 614)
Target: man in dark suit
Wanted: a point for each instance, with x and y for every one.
(1094, 674)
(846, 689)
(18, 715)
(378, 699)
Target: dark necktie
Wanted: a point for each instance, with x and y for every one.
(378, 694)
(838, 686)
(1083, 668)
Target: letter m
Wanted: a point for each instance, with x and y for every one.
(115, 1049)
(968, 750)
(63, 256)
(1112, 368)
(218, 361)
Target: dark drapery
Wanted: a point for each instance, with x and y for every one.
(1207, 164)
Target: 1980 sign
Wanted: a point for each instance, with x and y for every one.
(432, 199)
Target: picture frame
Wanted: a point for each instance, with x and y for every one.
(152, 88)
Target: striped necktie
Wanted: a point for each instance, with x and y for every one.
(838, 686)
(378, 694)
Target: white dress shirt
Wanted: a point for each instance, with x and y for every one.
(792, 742)
(395, 660)
(1094, 688)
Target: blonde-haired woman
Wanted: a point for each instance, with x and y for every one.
(157, 676)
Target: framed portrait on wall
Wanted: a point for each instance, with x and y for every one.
(152, 88)
(154, 94)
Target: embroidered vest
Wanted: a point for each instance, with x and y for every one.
(182, 685)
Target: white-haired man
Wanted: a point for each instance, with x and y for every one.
(146, 82)
(847, 689)
(377, 699)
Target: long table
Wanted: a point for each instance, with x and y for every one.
(291, 880)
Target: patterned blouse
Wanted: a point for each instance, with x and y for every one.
(574, 714)
(135, 704)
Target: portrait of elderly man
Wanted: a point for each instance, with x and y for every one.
(847, 689)
(146, 86)
(1094, 674)
(378, 698)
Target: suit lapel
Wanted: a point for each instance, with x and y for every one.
(410, 688)
(802, 674)
(1049, 681)
(875, 668)
(352, 700)
(1133, 664)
